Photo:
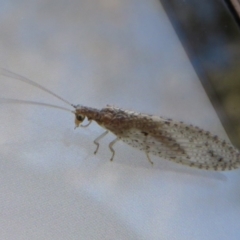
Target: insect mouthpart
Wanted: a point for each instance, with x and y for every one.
(79, 119)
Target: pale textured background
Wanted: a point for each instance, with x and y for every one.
(95, 53)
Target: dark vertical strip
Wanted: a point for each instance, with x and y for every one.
(210, 35)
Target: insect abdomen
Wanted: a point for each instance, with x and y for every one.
(179, 142)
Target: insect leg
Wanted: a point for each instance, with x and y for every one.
(89, 122)
(149, 159)
(97, 139)
(111, 147)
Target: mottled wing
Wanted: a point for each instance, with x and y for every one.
(182, 143)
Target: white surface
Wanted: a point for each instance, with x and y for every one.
(95, 53)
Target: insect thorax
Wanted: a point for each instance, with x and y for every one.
(120, 121)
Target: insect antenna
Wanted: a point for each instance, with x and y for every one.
(7, 73)
(11, 100)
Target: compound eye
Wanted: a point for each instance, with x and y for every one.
(80, 118)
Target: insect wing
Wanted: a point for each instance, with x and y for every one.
(185, 144)
(203, 150)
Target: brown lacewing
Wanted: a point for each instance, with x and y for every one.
(172, 140)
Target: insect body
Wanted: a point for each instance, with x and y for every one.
(175, 141)
(171, 140)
